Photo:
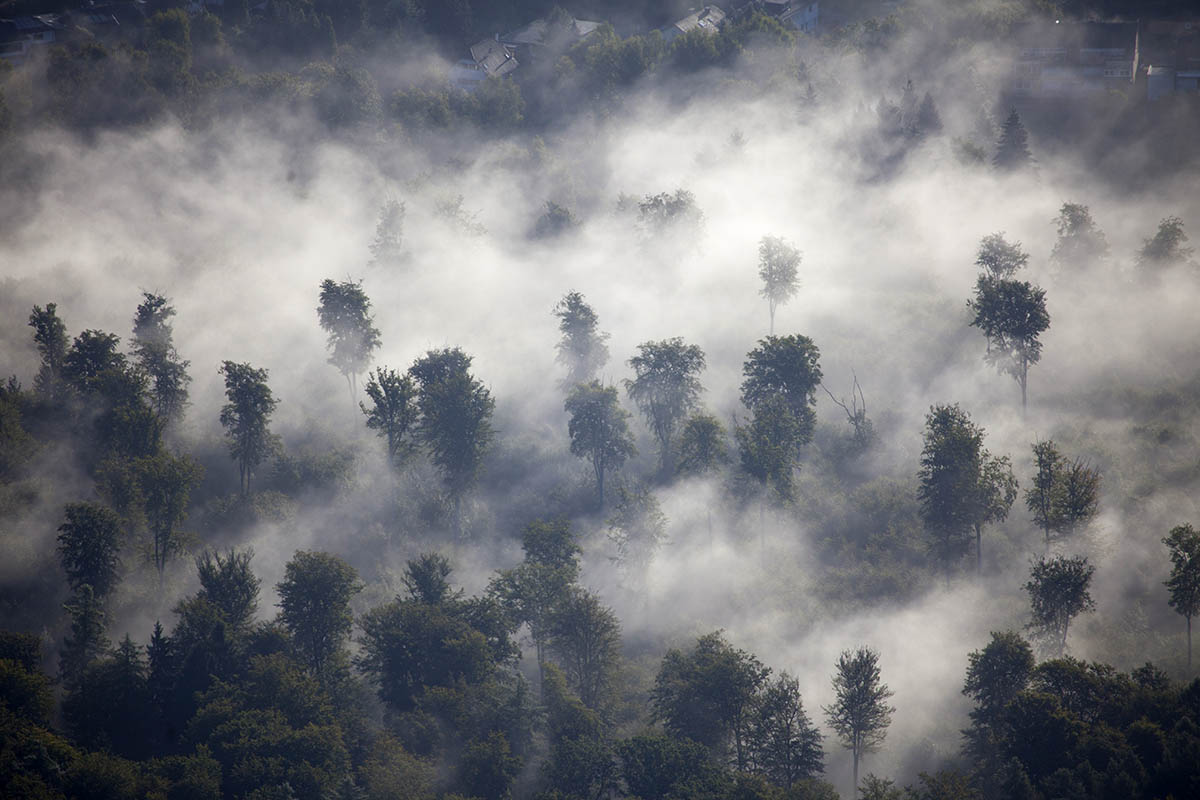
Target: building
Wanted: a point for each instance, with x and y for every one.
(546, 38)
(489, 58)
(22, 37)
(709, 18)
(799, 14)
(1064, 60)
(1171, 58)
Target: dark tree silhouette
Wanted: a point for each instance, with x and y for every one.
(1183, 545)
(246, 416)
(1012, 149)
(599, 430)
(345, 314)
(860, 714)
(1058, 592)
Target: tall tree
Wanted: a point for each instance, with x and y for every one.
(785, 745)
(536, 587)
(777, 265)
(787, 367)
(949, 481)
(1183, 545)
(314, 604)
(1058, 592)
(229, 584)
(995, 491)
(860, 714)
(50, 336)
(1064, 494)
(246, 416)
(599, 430)
(88, 543)
(585, 638)
(707, 694)
(637, 527)
(345, 315)
(582, 349)
(389, 233)
(1166, 248)
(87, 641)
(769, 444)
(995, 675)
(702, 444)
(156, 355)
(666, 387)
(393, 413)
(1080, 242)
(92, 359)
(1012, 149)
(1012, 315)
(164, 483)
(456, 418)
(999, 258)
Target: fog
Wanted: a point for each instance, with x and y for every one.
(239, 224)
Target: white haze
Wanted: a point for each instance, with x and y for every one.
(238, 227)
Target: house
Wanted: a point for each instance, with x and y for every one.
(799, 14)
(489, 58)
(709, 18)
(1064, 60)
(546, 38)
(1171, 58)
(22, 37)
(109, 20)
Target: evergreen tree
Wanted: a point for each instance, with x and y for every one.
(87, 641)
(314, 604)
(88, 543)
(1012, 149)
(50, 336)
(156, 355)
(581, 350)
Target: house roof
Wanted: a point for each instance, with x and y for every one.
(543, 32)
(708, 18)
(492, 57)
(20, 27)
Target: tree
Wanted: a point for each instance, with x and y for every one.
(788, 367)
(999, 258)
(949, 481)
(1080, 243)
(702, 445)
(539, 584)
(345, 315)
(314, 604)
(1183, 546)
(1064, 495)
(93, 357)
(245, 417)
(1012, 149)
(995, 675)
(666, 389)
(87, 641)
(785, 745)
(1058, 592)
(156, 355)
(456, 418)
(663, 213)
(164, 483)
(637, 527)
(585, 638)
(50, 336)
(777, 263)
(228, 583)
(556, 220)
(1166, 248)
(599, 430)
(859, 714)
(1012, 315)
(389, 233)
(994, 494)
(581, 350)
(929, 121)
(393, 413)
(88, 543)
(769, 444)
(707, 694)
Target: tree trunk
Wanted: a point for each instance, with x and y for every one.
(979, 549)
(1024, 383)
(771, 306)
(855, 792)
(1189, 626)
(600, 488)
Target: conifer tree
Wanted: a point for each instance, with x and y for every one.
(1012, 149)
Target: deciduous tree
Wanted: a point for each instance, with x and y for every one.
(1012, 315)
(585, 638)
(1058, 592)
(389, 234)
(314, 604)
(785, 745)
(88, 546)
(345, 315)
(1081, 244)
(393, 414)
(154, 348)
(666, 387)
(1064, 494)
(1183, 545)
(599, 430)
(777, 265)
(246, 416)
(50, 336)
(1166, 248)
(582, 349)
(860, 714)
(787, 367)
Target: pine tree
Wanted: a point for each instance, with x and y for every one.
(1012, 150)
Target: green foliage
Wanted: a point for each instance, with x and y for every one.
(581, 350)
(346, 97)
(788, 368)
(1166, 248)
(666, 388)
(456, 417)
(314, 605)
(1012, 315)
(860, 714)
(702, 445)
(393, 414)
(708, 695)
(24, 690)
(676, 213)
(1064, 494)
(50, 336)
(785, 746)
(599, 430)
(999, 258)
(555, 221)
(777, 263)
(87, 641)
(92, 361)
(107, 708)
(229, 584)
(585, 639)
(156, 355)
(17, 446)
(1012, 149)
(1058, 592)
(163, 484)
(1183, 546)
(389, 233)
(345, 315)
(701, 48)
(88, 545)
(1080, 243)
(246, 416)
(657, 767)
(637, 527)
(489, 767)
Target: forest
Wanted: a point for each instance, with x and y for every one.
(743, 414)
